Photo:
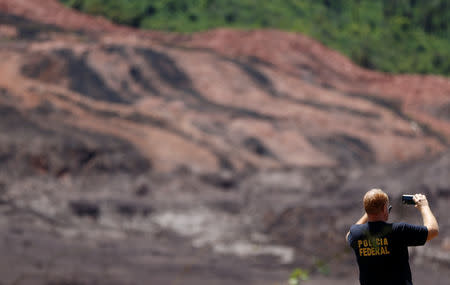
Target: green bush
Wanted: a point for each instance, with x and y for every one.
(297, 276)
(398, 36)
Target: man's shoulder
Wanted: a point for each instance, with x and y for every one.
(357, 228)
(354, 233)
(413, 235)
(403, 225)
(400, 224)
(406, 227)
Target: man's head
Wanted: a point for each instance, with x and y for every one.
(376, 204)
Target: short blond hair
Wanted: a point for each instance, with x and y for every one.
(374, 201)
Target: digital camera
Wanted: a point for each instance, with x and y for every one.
(408, 199)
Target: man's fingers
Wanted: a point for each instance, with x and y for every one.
(420, 199)
(416, 198)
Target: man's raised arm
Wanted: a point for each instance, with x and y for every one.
(429, 220)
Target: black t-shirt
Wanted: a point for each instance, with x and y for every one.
(381, 251)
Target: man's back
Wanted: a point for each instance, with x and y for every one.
(381, 250)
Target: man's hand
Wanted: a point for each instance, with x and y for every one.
(429, 220)
(420, 200)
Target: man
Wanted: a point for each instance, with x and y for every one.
(381, 248)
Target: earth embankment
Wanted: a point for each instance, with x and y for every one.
(222, 157)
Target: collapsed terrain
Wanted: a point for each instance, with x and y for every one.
(225, 157)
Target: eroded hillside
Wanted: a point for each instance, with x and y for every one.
(202, 158)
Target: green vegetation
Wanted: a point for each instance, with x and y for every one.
(398, 36)
(297, 276)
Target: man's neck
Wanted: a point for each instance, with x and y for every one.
(376, 218)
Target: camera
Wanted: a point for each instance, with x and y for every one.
(408, 199)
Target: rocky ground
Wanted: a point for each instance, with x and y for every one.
(225, 157)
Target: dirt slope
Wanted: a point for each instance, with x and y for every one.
(136, 155)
